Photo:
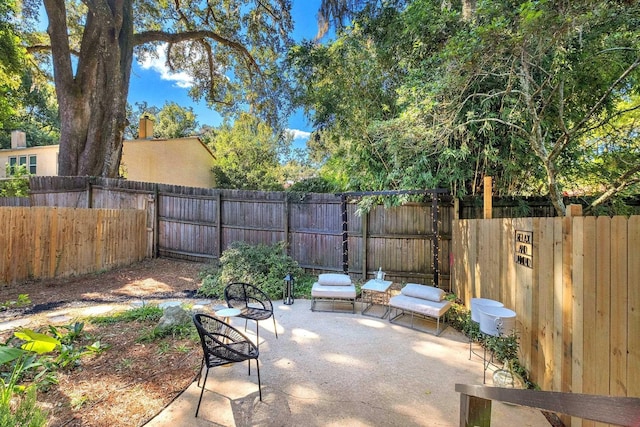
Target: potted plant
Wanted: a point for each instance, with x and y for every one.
(505, 351)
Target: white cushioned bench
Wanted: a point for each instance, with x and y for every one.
(421, 300)
(333, 288)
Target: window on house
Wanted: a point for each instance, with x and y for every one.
(32, 165)
(22, 161)
(13, 162)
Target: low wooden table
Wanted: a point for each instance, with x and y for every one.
(376, 293)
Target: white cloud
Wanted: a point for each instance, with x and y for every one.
(299, 134)
(157, 63)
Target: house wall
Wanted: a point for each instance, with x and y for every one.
(46, 159)
(181, 161)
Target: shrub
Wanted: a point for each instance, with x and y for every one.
(264, 266)
(18, 184)
(313, 185)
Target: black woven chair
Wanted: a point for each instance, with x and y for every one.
(253, 303)
(223, 344)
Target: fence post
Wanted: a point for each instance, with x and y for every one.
(365, 241)
(286, 223)
(89, 194)
(436, 243)
(156, 222)
(345, 234)
(474, 411)
(488, 201)
(219, 217)
(574, 210)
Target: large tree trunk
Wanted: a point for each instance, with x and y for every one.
(92, 102)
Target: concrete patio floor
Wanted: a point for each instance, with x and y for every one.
(342, 369)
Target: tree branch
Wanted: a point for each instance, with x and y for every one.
(600, 101)
(37, 48)
(161, 36)
(268, 9)
(627, 179)
(606, 120)
(493, 119)
(182, 16)
(57, 30)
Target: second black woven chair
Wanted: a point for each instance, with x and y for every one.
(253, 303)
(223, 344)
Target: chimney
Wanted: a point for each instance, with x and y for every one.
(18, 139)
(145, 130)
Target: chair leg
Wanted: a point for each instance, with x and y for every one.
(245, 324)
(200, 371)
(202, 391)
(257, 335)
(259, 384)
(275, 328)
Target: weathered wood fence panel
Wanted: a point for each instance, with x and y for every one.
(252, 216)
(45, 242)
(15, 201)
(188, 225)
(577, 307)
(199, 224)
(315, 232)
(400, 241)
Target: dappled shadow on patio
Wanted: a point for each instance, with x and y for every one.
(343, 369)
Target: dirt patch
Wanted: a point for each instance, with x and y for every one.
(150, 279)
(132, 381)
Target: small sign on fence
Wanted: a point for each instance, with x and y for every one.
(524, 248)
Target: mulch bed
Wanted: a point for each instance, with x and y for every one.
(132, 381)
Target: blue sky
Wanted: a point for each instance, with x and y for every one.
(153, 83)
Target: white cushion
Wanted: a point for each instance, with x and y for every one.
(419, 305)
(423, 292)
(334, 279)
(333, 291)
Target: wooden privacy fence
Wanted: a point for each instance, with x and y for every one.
(199, 224)
(15, 201)
(45, 242)
(574, 284)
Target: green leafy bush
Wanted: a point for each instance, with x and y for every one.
(264, 266)
(18, 184)
(313, 185)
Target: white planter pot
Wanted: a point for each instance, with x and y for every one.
(497, 321)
